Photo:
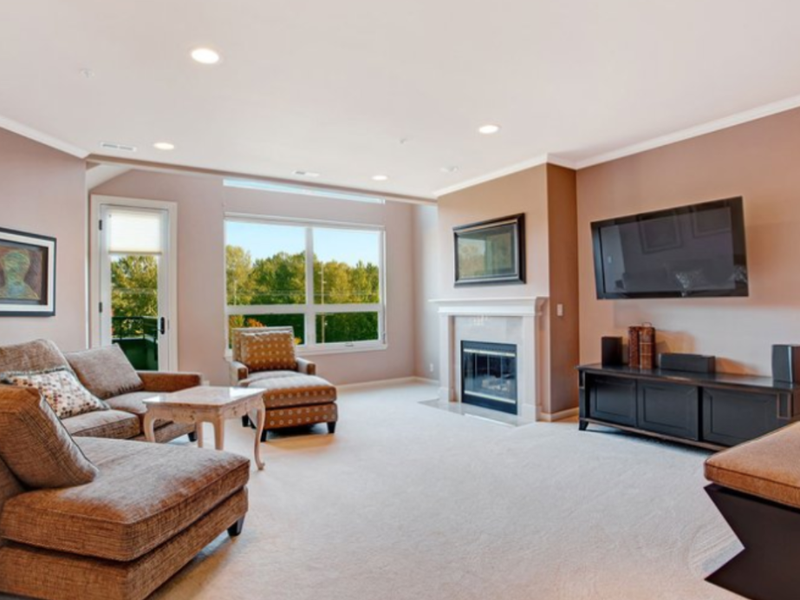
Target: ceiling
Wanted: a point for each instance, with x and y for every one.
(355, 88)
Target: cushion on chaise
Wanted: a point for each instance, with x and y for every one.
(144, 495)
(767, 467)
(299, 390)
(35, 445)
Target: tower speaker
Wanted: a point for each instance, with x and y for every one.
(611, 351)
(786, 363)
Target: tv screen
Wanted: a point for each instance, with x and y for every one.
(691, 251)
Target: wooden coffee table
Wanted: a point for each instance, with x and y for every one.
(206, 404)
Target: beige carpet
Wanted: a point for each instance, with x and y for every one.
(410, 502)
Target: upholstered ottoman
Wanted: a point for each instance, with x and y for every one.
(294, 400)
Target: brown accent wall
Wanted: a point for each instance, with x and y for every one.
(562, 214)
(43, 191)
(546, 194)
(757, 160)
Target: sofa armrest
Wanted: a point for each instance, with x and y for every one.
(161, 381)
(237, 371)
(306, 366)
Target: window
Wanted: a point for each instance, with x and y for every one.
(326, 281)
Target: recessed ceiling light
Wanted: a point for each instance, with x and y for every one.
(305, 173)
(164, 146)
(488, 129)
(206, 56)
(380, 178)
(451, 169)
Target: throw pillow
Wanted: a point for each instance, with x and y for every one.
(268, 350)
(35, 445)
(62, 391)
(106, 372)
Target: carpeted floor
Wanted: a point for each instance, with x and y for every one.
(408, 502)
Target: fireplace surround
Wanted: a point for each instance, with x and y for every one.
(512, 321)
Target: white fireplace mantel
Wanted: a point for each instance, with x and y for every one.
(500, 320)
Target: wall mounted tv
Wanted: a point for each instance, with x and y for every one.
(686, 252)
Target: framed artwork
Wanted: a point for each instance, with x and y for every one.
(658, 235)
(27, 274)
(490, 252)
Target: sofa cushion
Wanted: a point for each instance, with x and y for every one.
(105, 371)
(766, 467)
(113, 424)
(38, 355)
(35, 445)
(61, 389)
(144, 495)
(133, 403)
(300, 390)
(267, 349)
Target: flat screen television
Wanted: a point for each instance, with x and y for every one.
(690, 251)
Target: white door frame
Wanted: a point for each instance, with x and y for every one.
(95, 295)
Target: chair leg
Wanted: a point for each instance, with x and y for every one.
(264, 436)
(332, 427)
(236, 529)
(245, 421)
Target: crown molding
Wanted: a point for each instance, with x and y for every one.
(753, 114)
(510, 170)
(42, 138)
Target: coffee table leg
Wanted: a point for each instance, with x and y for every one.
(259, 428)
(199, 434)
(149, 421)
(219, 434)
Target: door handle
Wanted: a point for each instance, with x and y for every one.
(162, 326)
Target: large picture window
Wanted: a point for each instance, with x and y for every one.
(326, 281)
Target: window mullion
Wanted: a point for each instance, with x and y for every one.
(311, 325)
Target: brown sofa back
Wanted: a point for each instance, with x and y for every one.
(9, 485)
(31, 356)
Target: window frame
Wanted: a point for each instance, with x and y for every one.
(310, 310)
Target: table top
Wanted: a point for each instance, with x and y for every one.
(203, 396)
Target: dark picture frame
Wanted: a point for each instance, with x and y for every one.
(27, 274)
(490, 252)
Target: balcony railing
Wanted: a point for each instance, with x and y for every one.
(138, 338)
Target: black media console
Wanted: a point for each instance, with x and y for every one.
(713, 410)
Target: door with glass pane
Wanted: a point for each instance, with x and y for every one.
(134, 307)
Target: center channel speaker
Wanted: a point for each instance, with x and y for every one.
(786, 363)
(692, 363)
(611, 351)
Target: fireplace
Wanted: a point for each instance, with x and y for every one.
(489, 375)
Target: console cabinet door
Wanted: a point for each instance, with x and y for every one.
(613, 399)
(669, 409)
(731, 417)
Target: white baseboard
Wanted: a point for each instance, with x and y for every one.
(559, 416)
(383, 382)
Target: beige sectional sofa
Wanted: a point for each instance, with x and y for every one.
(125, 419)
(104, 519)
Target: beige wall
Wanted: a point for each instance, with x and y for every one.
(546, 194)
(202, 204)
(43, 191)
(757, 160)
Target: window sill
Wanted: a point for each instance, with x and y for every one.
(319, 351)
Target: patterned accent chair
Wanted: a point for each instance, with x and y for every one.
(264, 358)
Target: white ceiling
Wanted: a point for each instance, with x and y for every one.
(333, 86)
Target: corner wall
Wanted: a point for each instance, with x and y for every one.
(757, 160)
(546, 194)
(43, 191)
(202, 204)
